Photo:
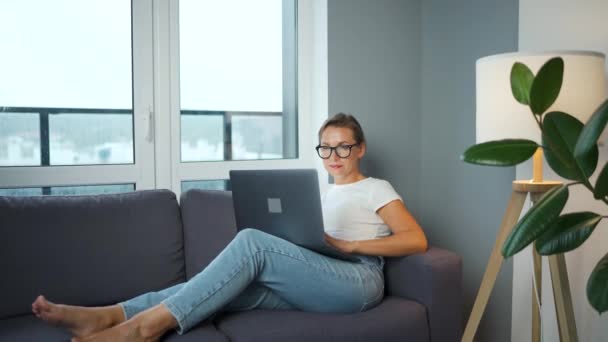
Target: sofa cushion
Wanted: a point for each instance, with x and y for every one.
(433, 279)
(392, 320)
(209, 226)
(29, 328)
(88, 250)
(205, 332)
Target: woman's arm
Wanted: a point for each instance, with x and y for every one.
(407, 237)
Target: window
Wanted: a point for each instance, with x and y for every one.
(168, 94)
(99, 136)
(68, 115)
(21, 192)
(237, 78)
(217, 184)
(68, 190)
(19, 132)
(65, 92)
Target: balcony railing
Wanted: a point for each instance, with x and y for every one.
(44, 113)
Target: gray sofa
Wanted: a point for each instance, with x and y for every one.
(98, 250)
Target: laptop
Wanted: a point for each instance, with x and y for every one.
(284, 203)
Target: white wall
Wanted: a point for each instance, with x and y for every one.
(560, 25)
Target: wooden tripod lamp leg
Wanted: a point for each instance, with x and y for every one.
(563, 299)
(536, 295)
(538, 280)
(509, 220)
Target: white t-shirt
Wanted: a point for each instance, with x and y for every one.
(349, 210)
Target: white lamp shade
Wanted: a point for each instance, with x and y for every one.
(500, 116)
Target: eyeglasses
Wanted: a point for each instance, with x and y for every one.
(342, 151)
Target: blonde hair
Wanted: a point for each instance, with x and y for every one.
(345, 121)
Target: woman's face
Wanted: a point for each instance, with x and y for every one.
(342, 169)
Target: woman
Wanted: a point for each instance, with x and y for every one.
(363, 216)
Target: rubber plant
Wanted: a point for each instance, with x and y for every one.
(571, 151)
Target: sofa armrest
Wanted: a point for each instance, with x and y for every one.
(433, 279)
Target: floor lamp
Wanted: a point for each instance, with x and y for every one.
(500, 116)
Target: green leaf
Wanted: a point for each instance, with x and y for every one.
(560, 132)
(601, 185)
(521, 82)
(597, 286)
(506, 152)
(546, 85)
(592, 130)
(567, 233)
(536, 221)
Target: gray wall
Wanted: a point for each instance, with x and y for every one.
(374, 74)
(464, 204)
(407, 70)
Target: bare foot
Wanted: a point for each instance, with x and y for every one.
(129, 331)
(80, 321)
(147, 326)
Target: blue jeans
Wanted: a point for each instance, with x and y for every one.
(260, 271)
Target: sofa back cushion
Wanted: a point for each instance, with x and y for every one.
(209, 226)
(88, 250)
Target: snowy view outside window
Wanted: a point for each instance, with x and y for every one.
(65, 56)
(66, 84)
(231, 61)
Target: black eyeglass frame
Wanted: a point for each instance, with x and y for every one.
(335, 148)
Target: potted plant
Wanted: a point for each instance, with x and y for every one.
(571, 151)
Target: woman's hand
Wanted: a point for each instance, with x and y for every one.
(342, 245)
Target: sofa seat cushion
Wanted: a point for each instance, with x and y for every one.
(205, 332)
(29, 328)
(392, 320)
